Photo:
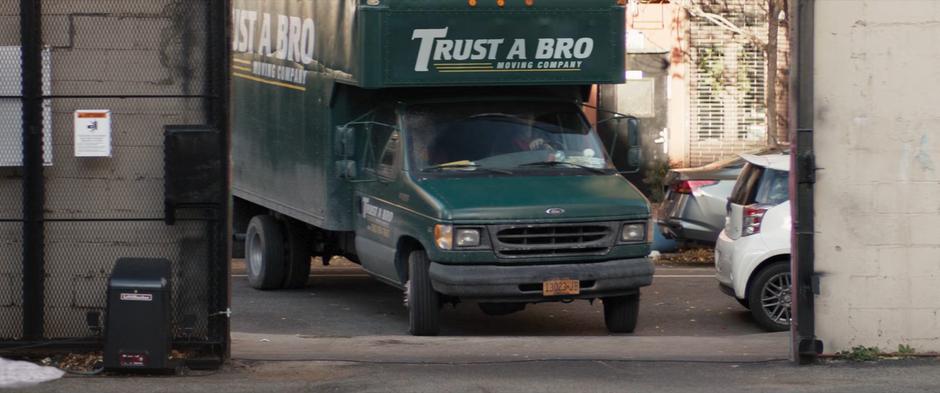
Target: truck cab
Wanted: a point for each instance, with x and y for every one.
(452, 179)
(502, 199)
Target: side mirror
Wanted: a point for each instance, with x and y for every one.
(634, 152)
(621, 136)
(346, 149)
(346, 169)
(345, 141)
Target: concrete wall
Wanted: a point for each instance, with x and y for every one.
(877, 140)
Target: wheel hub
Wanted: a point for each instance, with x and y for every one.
(255, 252)
(776, 298)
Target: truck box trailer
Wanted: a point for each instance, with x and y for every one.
(441, 145)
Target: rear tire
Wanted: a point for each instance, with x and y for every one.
(621, 313)
(264, 252)
(772, 285)
(423, 302)
(297, 264)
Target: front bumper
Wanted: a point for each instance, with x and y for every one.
(498, 283)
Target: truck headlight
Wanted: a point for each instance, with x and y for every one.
(444, 236)
(633, 232)
(468, 238)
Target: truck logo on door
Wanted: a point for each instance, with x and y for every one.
(555, 211)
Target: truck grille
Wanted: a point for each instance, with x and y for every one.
(518, 241)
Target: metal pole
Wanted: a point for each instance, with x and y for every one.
(802, 181)
(33, 187)
(219, 117)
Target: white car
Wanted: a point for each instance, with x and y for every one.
(752, 255)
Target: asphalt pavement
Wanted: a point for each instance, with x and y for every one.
(342, 301)
(344, 315)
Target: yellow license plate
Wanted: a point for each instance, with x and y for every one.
(561, 287)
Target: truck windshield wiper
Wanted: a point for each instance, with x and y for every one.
(557, 163)
(464, 165)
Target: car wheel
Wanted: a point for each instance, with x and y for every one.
(770, 295)
(621, 312)
(423, 302)
(297, 265)
(264, 253)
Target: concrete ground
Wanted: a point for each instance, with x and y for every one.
(345, 332)
(539, 376)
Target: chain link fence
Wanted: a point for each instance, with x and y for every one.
(151, 64)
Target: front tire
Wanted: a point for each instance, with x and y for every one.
(770, 295)
(264, 252)
(423, 301)
(621, 313)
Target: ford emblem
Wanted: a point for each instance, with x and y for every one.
(555, 211)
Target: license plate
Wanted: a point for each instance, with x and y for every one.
(561, 287)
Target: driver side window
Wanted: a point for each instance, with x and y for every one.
(386, 142)
(388, 167)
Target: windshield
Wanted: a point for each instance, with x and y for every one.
(502, 136)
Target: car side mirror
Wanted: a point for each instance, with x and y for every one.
(346, 169)
(345, 142)
(634, 152)
(621, 136)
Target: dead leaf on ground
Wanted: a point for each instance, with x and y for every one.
(688, 256)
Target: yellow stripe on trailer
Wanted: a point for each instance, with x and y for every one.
(270, 82)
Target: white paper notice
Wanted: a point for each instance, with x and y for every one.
(92, 133)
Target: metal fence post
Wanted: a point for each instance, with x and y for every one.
(33, 186)
(805, 346)
(220, 55)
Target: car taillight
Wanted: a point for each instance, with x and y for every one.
(753, 216)
(690, 186)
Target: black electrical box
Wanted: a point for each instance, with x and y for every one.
(137, 324)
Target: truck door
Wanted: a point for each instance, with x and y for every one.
(376, 232)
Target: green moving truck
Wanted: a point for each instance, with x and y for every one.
(441, 145)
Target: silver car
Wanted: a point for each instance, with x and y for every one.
(694, 207)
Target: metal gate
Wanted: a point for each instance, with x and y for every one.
(72, 204)
(728, 107)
